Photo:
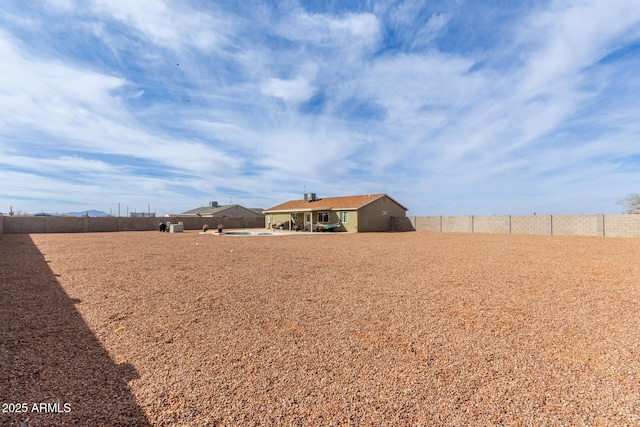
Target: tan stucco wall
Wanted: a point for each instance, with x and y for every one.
(334, 217)
(270, 219)
(281, 218)
(367, 218)
(352, 221)
(370, 217)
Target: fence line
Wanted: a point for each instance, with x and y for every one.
(59, 224)
(620, 225)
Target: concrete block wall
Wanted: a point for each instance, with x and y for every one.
(189, 223)
(400, 223)
(18, 224)
(574, 225)
(66, 224)
(97, 224)
(533, 224)
(138, 224)
(49, 224)
(492, 224)
(557, 225)
(428, 223)
(457, 224)
(625, 225)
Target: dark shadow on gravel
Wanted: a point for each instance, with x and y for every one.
(52, 367)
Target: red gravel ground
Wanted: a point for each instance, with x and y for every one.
(147, 328)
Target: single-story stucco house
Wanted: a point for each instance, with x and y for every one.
(371, 212)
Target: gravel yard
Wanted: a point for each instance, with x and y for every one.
(148, 328)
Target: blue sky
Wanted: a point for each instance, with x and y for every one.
(451, 107)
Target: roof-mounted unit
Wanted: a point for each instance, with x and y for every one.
(310, 197)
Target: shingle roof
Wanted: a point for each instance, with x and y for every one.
(344, 202)
(208, 210)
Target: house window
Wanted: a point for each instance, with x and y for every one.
(294, 216)
(323, 216)
(383, 213)
(344, 216)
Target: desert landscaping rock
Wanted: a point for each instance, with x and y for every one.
(147, 328)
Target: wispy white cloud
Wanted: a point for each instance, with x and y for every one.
(63, 5)
(178, 103)
(166, 24)
(32, 87)
(347, 31)
(294, 91)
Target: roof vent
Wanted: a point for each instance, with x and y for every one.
(310, 197)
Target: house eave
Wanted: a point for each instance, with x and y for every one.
(310, 210)
(330, 208)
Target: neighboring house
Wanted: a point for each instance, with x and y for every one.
(370, 212)
(259, 211)
(228, 211)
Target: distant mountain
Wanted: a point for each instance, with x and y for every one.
(83, 213)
